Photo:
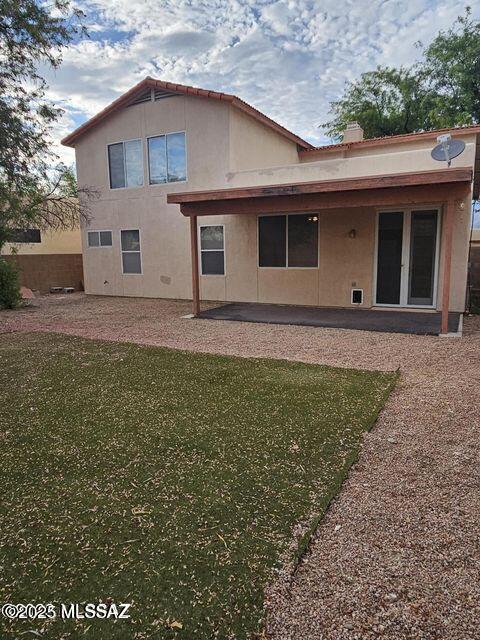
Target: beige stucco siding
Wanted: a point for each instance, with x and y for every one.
(226, 148)
(52, 243)
(400, 158)
(216, 136)
(254, 145)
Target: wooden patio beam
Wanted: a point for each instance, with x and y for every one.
(412, 195)
(195, 276)
(366, 183)
(447, 235)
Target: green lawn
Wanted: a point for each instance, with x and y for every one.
(167, 479)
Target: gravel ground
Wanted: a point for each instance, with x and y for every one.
(398, 553)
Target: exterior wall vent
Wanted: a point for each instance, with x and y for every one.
(161, 93)
(357, 296)
(145, 96)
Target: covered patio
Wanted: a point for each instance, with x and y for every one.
(445, 188)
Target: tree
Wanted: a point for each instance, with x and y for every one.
(452, 65)
(385, 102)
(442, 90)
(35, 191)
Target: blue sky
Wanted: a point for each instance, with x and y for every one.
(288, 59)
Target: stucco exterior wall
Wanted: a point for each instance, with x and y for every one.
(391, 158)
(252, 145)
(226, 148)
(344, 260)
(52, 243)
(216, 136)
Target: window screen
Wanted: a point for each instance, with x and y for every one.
(288, 241)
(105, 238)
(272, 241)
(303, 241)
(212, 250)
(116, 165)
(125, 161)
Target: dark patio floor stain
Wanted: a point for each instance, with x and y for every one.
(417, 323)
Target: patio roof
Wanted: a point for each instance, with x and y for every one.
(443, 186)
(420, 186)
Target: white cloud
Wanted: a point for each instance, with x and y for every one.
(288, 58)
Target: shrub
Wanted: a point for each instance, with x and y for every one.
(9, 285)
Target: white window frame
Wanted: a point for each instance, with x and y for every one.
(163, 184)
(297, 213)
(139, 251)
(99, 231)
(406, 237)
(125, 165)
(211, 275)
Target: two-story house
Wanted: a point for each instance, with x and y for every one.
(204, 197)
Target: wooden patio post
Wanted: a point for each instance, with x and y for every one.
(447, 233)
(195, 278)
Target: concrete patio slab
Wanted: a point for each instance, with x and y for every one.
(417, 323)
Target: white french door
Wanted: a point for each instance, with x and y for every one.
(406, 261)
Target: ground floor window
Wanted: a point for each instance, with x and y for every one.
(99, 238)
(131, 256)
(288, 241)
(212, 250)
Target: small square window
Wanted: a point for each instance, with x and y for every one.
(99, 238)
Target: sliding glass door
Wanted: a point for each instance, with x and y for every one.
(406, 261)
(423, 246)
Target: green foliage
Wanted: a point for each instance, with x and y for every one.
(176, 481)
(452, 66)
(442, 90)
(385, 102)
(9, 285)
(32, 34)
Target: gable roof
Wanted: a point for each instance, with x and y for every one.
(170, 88)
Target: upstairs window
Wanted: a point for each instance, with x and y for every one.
(125, 163)
(26, 236)
(99, 238)
(212, 250)
(288, 241)
(167, 158)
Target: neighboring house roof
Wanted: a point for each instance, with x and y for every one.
(379, 142)
(173, 88)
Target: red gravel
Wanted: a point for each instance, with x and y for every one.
(398, 553)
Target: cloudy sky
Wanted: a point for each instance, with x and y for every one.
(287, 58)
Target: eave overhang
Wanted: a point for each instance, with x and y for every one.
(437, 185)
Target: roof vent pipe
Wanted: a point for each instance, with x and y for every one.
(353, 132)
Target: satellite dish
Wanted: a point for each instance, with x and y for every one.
(447, 148)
